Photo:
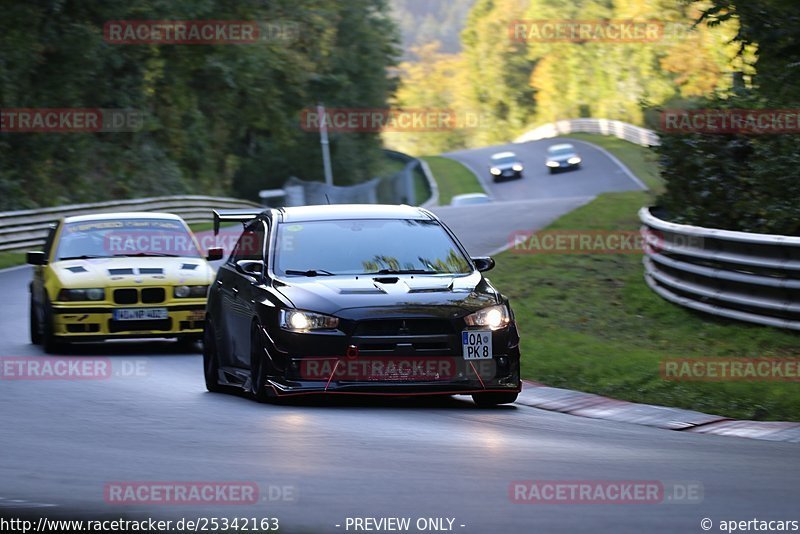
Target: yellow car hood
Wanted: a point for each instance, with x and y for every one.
(128, 271)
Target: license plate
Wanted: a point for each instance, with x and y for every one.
(477, 344)
(140, 314)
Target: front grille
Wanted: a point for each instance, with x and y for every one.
(126, 296)
(139, 326)
(403, 327)
(153, 295)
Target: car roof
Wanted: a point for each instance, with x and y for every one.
(563, 146)
(500, 155)
(353, 211)
(149, 215)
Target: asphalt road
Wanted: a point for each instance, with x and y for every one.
(318, 463)
(598, 173)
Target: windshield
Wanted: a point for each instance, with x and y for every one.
(126, 237)
(568, 151)
(367, 246)
(506, 160)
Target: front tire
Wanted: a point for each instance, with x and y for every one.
(36, 328)
(50, 342)
(210, 359)
(258, 368)
(490, 400)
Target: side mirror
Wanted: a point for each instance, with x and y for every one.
(36, 257)
(252, 268)
(215, 253)
(483, 263)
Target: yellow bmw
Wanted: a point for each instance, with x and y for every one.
(122, 275)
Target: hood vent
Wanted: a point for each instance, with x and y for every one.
(76, 269)
(189, 266)
(151, 270)
(117, 272)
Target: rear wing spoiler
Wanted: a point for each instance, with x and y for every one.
(242, 216)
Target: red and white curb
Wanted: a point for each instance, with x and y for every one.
(599, 407)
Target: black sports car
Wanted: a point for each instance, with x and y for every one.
(357, 299)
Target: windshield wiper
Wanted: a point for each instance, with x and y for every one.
(146, 255)
(405, 271)
(83, 257)
(310, 272)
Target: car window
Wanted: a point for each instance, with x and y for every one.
(562, 152)
(126, 237)
(368, 246)
(250, 245)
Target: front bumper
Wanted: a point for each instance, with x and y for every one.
(89, 323)
(389, 365)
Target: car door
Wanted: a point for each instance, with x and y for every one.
(236, 283)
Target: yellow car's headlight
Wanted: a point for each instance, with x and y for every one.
(493, 317)
(190, 292)
(74, 295)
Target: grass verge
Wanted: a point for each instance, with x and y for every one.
(452, 177)
(11, 259)
(589, 322)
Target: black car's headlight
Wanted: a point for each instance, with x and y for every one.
(94, 293)
(493, 317)
(517, 167)
(495, 171)
(303, 321)
(552, 163)
(190, 292)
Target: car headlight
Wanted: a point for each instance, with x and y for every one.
(190, 292)
(94, 293)
(495, 171)
(494, 317)
(517, 167)
(574, 161)
(553, 164)
(303, 321)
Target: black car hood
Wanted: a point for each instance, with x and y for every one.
(433, 296)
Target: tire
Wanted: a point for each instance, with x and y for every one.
(489, 400)
(210, 359)
(36, 329)
(258, 368)
(50, 342)
(552, 170)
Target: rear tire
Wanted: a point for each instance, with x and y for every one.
(210, 360)
(36, 329)
(490, 400)
(258, 368)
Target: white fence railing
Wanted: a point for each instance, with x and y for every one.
(738, 275)
(622, 130)
(28, 228)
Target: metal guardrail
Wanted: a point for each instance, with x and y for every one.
(738, 275)
(28, 228)
(407, 181)
(622, 130)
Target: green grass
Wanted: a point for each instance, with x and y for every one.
(589, 322)
(11, 259)
(452, 177)
(640, 160)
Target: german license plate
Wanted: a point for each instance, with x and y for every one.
(140, 314)
(477, 344)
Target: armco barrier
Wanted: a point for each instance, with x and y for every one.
(28, 228)
(622, 130)
(738, 275)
